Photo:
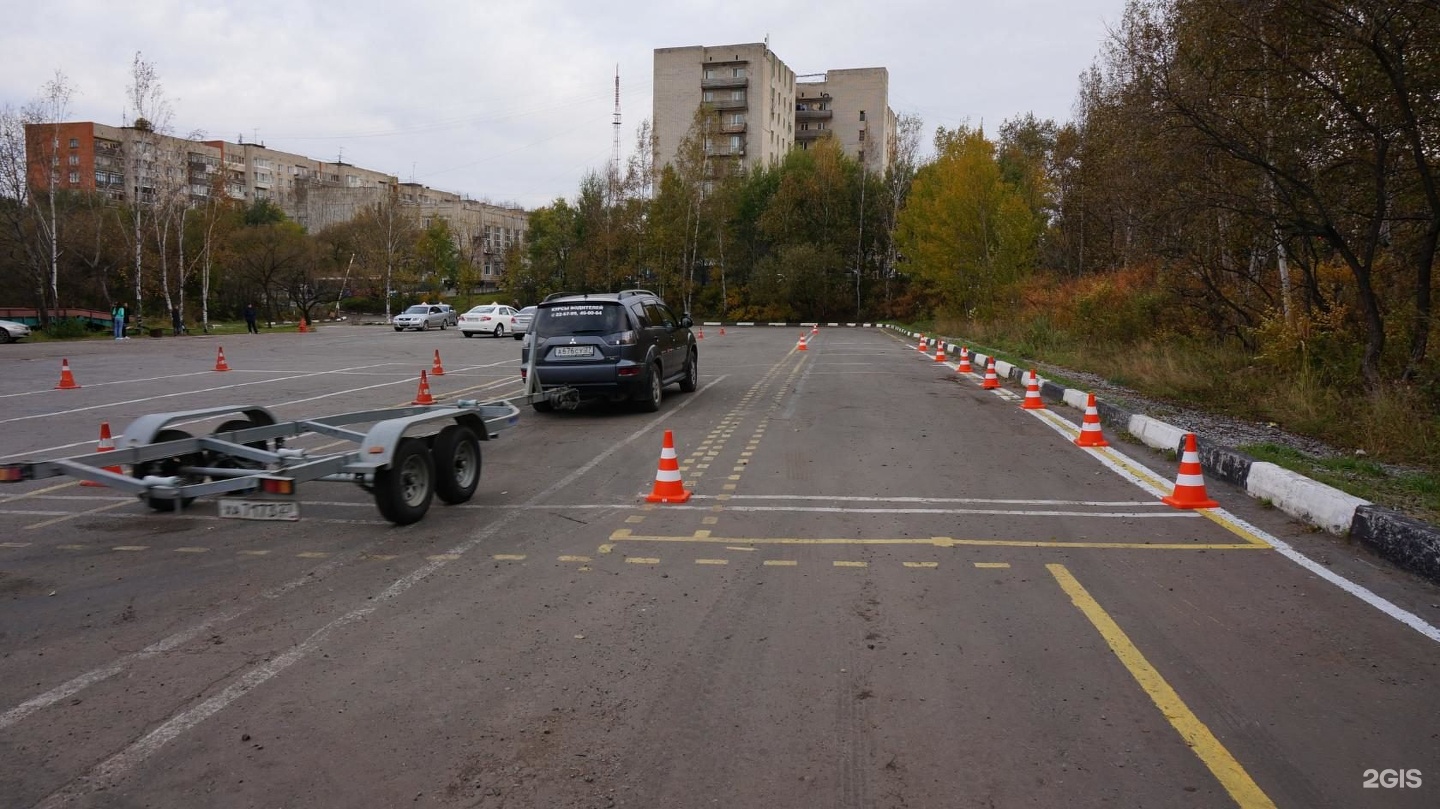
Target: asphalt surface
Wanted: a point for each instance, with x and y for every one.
(890, 588)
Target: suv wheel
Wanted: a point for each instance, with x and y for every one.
(691, 381)
(651, 402)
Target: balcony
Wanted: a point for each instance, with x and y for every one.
(725, 83)
(725, 151)
(814, 115)
(812, 134)
(732, 129)
(729, 104)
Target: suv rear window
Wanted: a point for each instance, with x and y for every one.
(586, 317)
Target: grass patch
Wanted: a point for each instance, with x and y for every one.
(1412, 492)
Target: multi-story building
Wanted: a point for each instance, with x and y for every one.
(751, 108)
(135, 164)
(748, 93)
(852, 106)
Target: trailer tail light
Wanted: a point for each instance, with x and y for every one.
(10, 473)
(277, 485)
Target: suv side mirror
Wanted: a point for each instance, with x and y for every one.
(685, 320)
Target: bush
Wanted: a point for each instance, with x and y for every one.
(66, 329)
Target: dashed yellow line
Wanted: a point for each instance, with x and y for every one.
(131, 548)
(574, 559)
(641, 560)
(992, 565)
(509, 557)
(839, 563)
(712, 561)
(780, 563)
(1226, 769)
(922, 564)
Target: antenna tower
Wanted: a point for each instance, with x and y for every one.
(615, 148)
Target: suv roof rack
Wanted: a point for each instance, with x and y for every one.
(552, 296)
(625, 293)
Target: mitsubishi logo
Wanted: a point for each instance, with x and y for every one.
(572, 341)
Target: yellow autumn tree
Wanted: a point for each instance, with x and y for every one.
(965, 233)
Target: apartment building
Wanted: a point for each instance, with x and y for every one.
(852, 106)
(749, 94)
(756, 109)
(135, 164)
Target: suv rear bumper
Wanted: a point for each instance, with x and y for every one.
(596, 380)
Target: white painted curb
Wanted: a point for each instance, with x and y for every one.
(1320, 505)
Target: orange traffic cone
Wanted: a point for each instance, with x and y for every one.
(106, 444)
(668, 487)
(436, 369)
(1032, 399)
(1190, 483)
(220, 364)
(67, 380)
(922, 345)
(815, 329)
(1090, 433)
(801, 346)
(304, 327)
(964, 366)
(699, 334)
(422, 396)
(722, 331)
(940, 352)
(992, 381)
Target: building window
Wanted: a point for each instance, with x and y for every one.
(708, 96)
(74, 143)
(711, 73)
(737, 95)
(737, 72)
(862, 115)
(862, 136)
(74, 178)
(74, 159)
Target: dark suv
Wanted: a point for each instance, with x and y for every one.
(618, 346)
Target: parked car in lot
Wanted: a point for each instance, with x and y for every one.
(494, 319)
(10, 331)
(450, 316)
(615, 346)
(523, 319)
(421, 317)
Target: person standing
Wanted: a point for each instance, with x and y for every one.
(117, 319)
(250, 319)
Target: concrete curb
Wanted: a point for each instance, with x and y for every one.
(1408, 543)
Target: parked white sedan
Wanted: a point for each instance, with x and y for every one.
(495, 319)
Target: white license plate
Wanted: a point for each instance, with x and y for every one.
(259, 510)
(574, 351)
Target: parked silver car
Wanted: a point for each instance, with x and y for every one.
(523, 318)
(10, 331)
(421, 317)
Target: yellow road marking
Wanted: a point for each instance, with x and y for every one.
(994, 565)
(574, 559)
(780, 563)
(131, 548)
(712, 561)
(607, 547)
(312, 555)
(641, 560)
(509, 557)
(12, 498)
(14, 544)
(838, 563)
(922, 564)
(635, 519)
(709, 520)
(252, 553)
(374, 557)
(443, 557)
(945, 542)
(1222, 765)
(192, 550)
(702, 534)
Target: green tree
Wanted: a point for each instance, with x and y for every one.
(965, 231)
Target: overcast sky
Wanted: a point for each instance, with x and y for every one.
(512, 101)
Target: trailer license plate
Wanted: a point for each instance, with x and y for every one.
(575, 351)
(259, 510)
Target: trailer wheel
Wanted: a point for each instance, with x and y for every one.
(457, 464)
(166, 467)
(223, 461)
(404, 488)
